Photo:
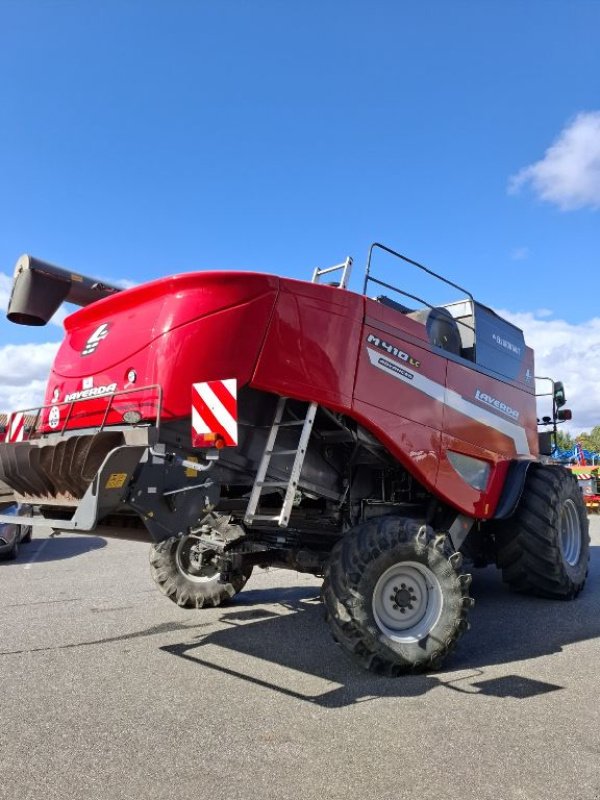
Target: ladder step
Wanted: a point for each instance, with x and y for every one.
(291, 423)
(281, 452)
(264, 517)
(278, 484)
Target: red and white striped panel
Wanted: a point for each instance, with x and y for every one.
(15, 429)
(214, 413)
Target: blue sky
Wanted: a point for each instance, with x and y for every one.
(139, 139)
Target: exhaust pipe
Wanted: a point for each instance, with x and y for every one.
(39, 289)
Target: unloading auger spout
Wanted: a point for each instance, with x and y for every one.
(40, 288)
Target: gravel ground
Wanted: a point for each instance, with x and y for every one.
(111, 691)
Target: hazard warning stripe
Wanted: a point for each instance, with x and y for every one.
(15, 430)
(225, 392)
(214, 412)
(206, 422)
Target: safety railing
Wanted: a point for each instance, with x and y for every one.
(345, 267)
(109, 399)
(371, 279)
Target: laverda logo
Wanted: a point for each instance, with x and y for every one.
(489, 400)
(393, 351)
(95, 391)
(97, 336)
(500, 340)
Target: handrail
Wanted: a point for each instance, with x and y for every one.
(389, 250)
(400, 291)
(409, 261)
(108, 397)
(346, 267)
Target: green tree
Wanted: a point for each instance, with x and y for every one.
(564, 440)
(591, 440)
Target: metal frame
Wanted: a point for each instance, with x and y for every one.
(346, 266)
(370, 278)
(108, 397)
(97, 496)
(291, 484)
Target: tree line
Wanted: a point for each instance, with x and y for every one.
(589, 441)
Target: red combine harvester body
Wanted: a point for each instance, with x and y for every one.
(247, 419)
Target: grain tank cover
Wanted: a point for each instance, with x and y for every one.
(39, 289)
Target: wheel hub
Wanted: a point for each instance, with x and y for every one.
(407, 601)
(570, 533)
(199, 557)
(195, 561)
(403, 598)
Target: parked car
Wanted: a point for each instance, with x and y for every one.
(12, 534)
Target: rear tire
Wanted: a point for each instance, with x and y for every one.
(393, 596)
(544, 548)
(181, 575)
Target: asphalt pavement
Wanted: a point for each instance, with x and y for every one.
(108, 690)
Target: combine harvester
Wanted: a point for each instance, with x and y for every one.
(253, 420)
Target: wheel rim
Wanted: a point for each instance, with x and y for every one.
(192, 561)
(570, 533)
(407, 601)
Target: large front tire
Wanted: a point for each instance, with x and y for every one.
(180, 572)
(394, 597)
(544, 548)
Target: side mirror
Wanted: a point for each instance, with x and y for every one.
(559, 394)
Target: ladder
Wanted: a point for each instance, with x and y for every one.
(346, 268)
(290, 485)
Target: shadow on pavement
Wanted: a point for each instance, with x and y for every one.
(506, 626)
(277, 639)
(285, 651)
(56, 548)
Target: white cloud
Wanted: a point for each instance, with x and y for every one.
(569, 353)
(24, 370)
(569, 173)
